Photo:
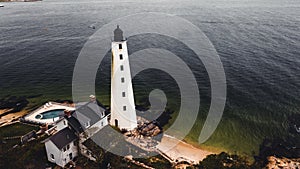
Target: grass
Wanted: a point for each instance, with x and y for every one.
(29, 155)
(15, 129)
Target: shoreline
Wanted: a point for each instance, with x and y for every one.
(179, 150)
(182, 148)
(11, 117)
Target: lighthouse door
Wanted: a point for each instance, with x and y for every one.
(116, 122)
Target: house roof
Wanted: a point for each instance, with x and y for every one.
(89, 111)
(75, 125)
(63, 137)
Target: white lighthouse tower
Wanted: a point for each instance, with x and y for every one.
(123, 114)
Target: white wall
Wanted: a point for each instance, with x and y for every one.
(60, 155)
(72, 149)
(52, 149)
(126, 118)
(61, 124)
(96, 127)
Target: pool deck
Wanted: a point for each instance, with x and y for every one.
(47, 107)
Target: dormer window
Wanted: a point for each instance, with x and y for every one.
(87, 124)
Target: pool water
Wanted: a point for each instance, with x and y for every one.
(50, 114)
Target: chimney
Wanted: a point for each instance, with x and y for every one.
(67, 113)
(44, 128)
(92, 98)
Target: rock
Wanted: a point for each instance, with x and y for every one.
(276, 162)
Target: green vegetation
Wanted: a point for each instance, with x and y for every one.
(15, 155)
(156, 162)
(30, 155)
(223, 161)
(16, 129)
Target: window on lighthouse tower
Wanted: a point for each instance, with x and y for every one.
(120, 46)
(121, 57)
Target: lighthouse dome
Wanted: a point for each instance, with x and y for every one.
(118, 34)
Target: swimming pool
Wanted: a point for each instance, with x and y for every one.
(50, 114)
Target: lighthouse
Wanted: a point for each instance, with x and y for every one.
(123, 114)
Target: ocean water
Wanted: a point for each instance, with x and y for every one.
(258, 43)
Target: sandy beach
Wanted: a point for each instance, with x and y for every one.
(181, 151)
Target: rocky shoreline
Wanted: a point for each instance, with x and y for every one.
(276, 162)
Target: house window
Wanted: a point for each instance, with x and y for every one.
(65, 149)
(101, 123)
(122, 79)
(68, 146)
(64, 122)
(123, 94)
(87, 124)
(121, 57)
(116, 122)
(71, 156)
(122, 67)
(52, 156)
(120, 46)
(124, 108)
